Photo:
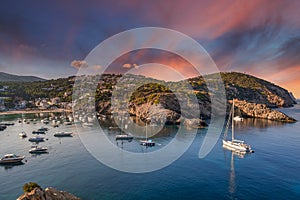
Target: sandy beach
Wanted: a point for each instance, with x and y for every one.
(13, 112)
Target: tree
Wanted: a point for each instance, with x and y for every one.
(28, 187)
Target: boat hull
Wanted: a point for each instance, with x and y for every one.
(237, 146)
(11, 161)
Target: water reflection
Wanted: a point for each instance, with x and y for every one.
(258, 123)
(232, 175)
(9, 166)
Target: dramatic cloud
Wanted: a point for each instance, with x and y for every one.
(258, 36)
(128, 65)
(79, 64)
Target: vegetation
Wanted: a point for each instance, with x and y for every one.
(28, 187)
(237, 85)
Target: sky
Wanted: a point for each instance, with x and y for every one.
(50, 39)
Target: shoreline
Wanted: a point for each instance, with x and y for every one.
(15, 112)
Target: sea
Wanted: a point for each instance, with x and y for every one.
(272, 172)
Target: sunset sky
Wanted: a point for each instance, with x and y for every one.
(259, 37)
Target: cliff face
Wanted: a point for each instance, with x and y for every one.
(255, 90)
(47, 194)
(261, 111)
(157, 101)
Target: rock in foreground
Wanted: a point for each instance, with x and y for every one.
(47, 194)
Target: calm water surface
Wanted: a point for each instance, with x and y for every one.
(272, 172)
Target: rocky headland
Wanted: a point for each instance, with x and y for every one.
(47, 194)
(256, 98)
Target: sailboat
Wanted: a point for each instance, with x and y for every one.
(23, 133)
(123, 136)
(147, 142)
(234, 144)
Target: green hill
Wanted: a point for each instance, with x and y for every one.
(5, 77)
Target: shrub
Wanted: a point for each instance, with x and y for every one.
(28, 187)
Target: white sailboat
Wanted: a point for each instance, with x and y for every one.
(123, 136)
(23, 133)
(234, 144)
(147, 142)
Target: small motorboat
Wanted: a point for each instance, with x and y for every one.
(113, 128)
(43, 129)
(67, 123)
(11, 158)
(38, 132)
(23, 134)
(238, 118)
(2, 127)
(36, 139)
(38, 150)
(63, 134)
(124, 137)
(87, 124)
(147, 143)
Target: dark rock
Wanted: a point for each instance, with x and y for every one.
(47, 194)
(195, 123)
(261, 111)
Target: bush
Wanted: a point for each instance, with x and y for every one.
(28, 187)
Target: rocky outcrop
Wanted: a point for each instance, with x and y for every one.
(261, 111)
(47, 194)
(254, 90)
(158, 103)
(157, 113)
(195, 123)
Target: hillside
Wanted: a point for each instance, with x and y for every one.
(5, 77)
(153, 97)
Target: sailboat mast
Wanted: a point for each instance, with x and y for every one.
(232, 122)
(146, 132)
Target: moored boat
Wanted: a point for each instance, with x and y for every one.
(38, 150)
(36, 139)
(11, 158)
(23, 134)
(63, 134)
(237, 145)
(38, 132)
(148, 143)
(124, 137)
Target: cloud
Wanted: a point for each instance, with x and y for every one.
(79, 64)
(97, 67)
(136, 66)
(128, 66)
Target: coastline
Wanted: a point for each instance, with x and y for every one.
(14, 112)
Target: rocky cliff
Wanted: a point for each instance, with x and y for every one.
(157, 100)
(47, 194)
(261, 111)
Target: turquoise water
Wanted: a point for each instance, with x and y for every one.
(272, 172)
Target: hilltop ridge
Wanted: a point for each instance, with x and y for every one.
(5, 77)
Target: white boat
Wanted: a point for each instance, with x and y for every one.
(147, 142)
(124, 137)
(23, 134)
(234, 144)
(11, 158)
(63, 134)
(38, 150)
(36, 139)
(67, 123)
(238, 118)
(88, 124)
